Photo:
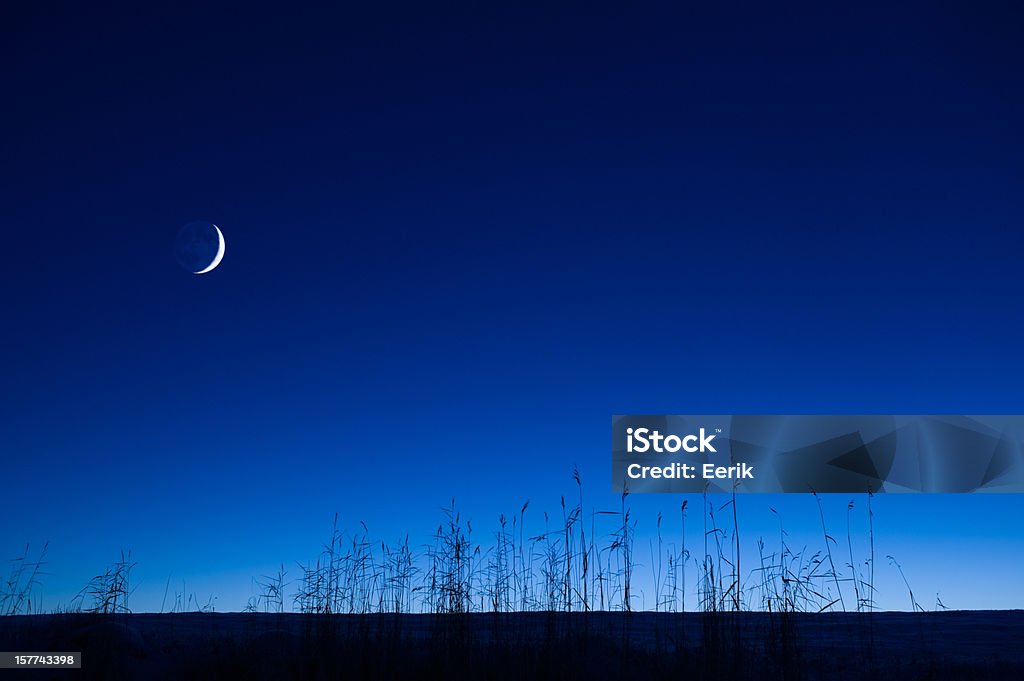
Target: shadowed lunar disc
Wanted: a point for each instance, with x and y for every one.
(199, 247)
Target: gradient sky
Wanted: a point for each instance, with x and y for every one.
(459, 241)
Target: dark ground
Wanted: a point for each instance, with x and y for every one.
(904, 646)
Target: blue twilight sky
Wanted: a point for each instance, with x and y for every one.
(460, 239)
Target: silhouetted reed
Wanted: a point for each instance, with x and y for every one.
(16, 597)
(567, 567)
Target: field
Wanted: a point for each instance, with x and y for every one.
(560, 604)
(746, 645)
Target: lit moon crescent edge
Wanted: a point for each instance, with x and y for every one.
(220, 252)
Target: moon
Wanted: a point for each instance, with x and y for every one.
(220, 252)
(200, 247)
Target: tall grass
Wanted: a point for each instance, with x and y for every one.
(23, 578)
(107, 593)
(570, 565)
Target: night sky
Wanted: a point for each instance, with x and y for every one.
(459, 239)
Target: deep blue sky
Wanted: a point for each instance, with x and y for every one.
(459, 240)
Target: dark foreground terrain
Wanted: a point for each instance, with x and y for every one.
(904, 646)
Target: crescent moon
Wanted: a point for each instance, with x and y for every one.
(220, 252)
